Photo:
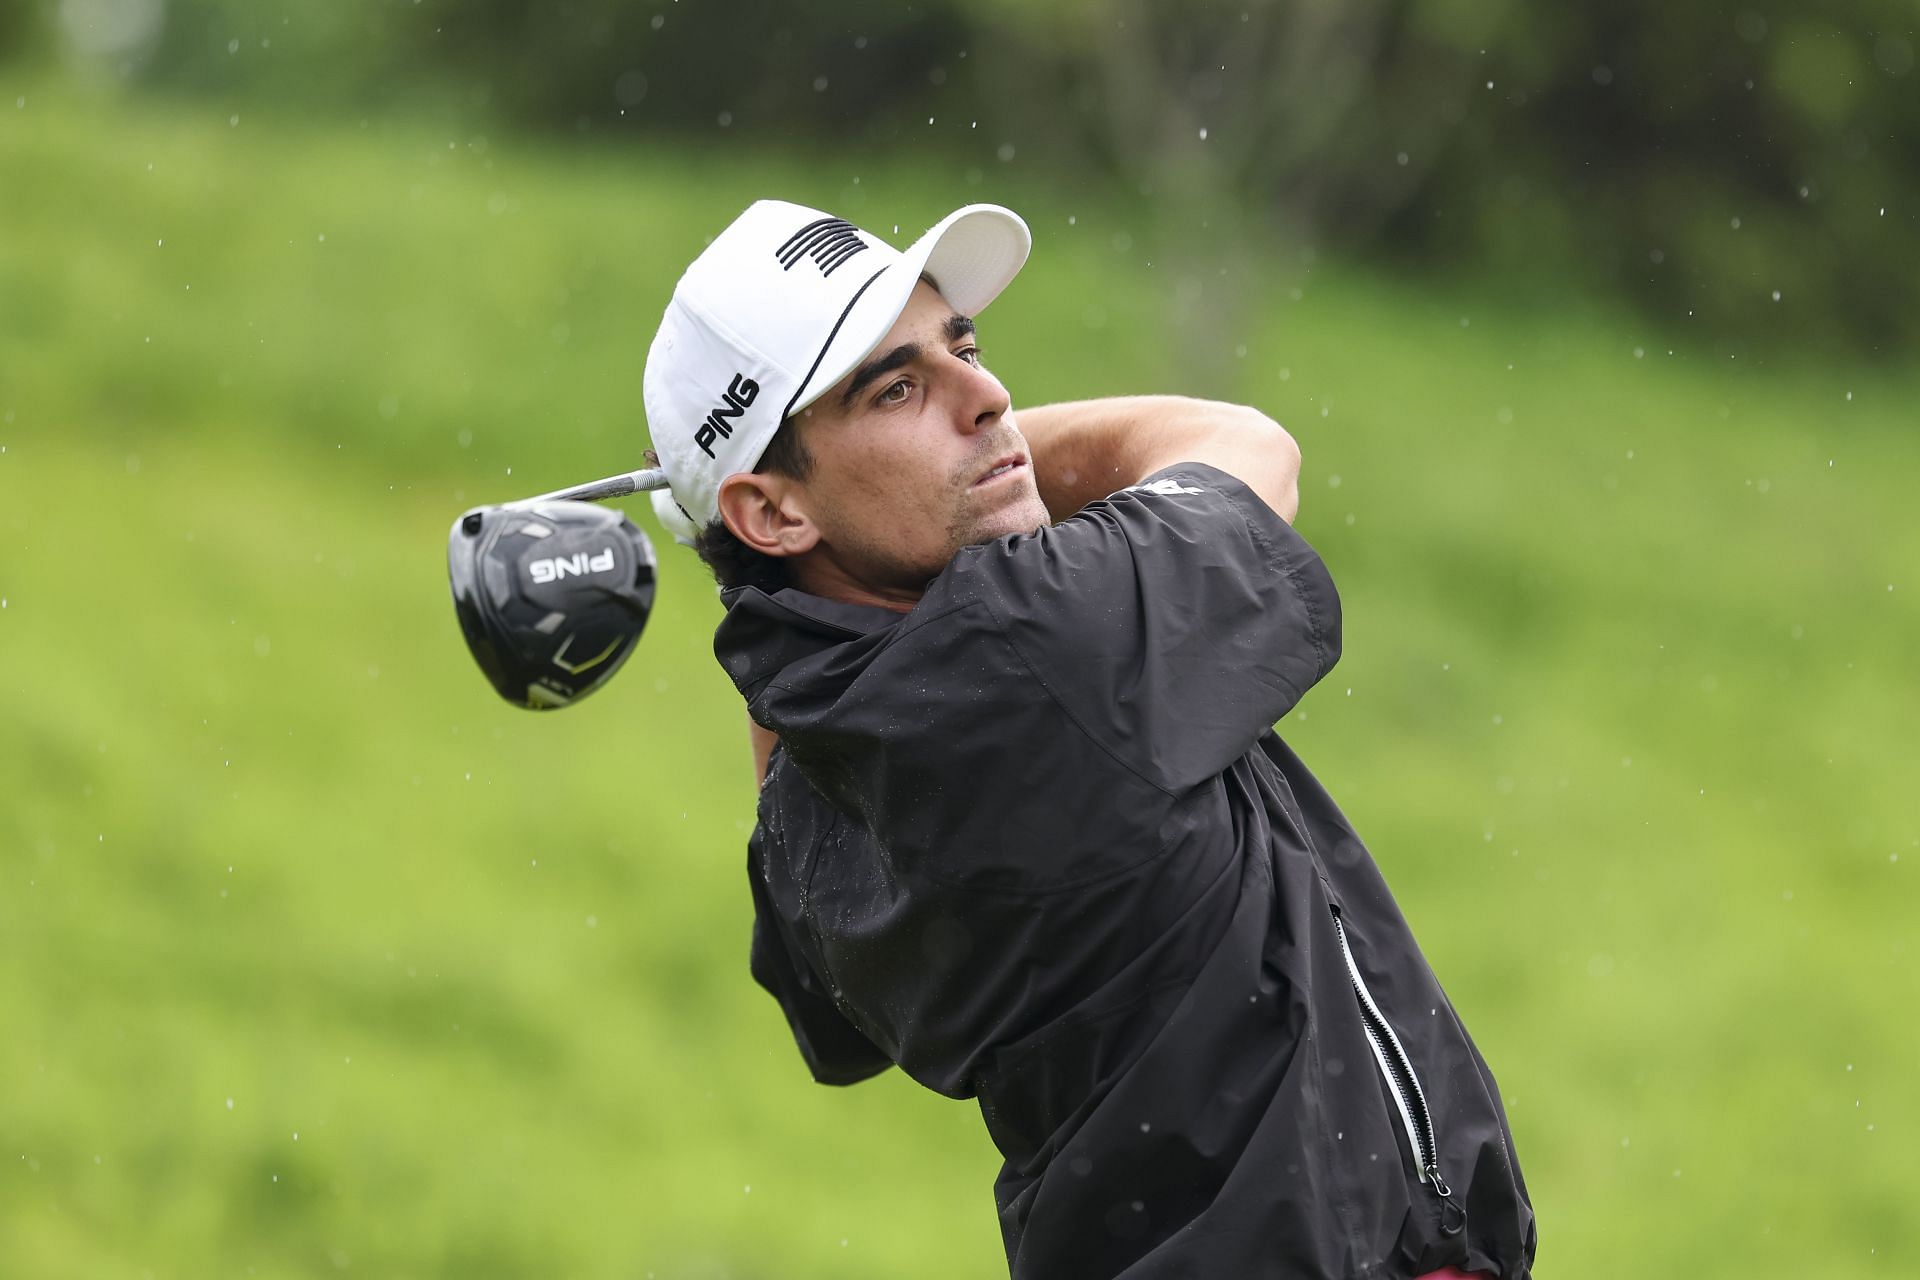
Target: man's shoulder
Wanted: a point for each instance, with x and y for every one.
(1094, 551)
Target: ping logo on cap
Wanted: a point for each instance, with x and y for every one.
(829, 242)
(719, 420)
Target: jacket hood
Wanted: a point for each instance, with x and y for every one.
(762, 635)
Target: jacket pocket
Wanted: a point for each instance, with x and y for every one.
(1396, 1068)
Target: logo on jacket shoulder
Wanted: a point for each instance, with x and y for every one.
(719, 421)
(1166, 488)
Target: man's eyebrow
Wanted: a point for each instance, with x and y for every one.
(956, 328)
(866, 373)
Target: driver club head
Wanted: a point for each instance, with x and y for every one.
(551, 596)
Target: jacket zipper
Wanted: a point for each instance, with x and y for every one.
(1408, 1097)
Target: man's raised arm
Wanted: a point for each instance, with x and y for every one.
(1086, 449)
(763, 742)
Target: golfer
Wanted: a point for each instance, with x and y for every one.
(1025, 830)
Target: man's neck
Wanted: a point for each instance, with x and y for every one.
(828, 579)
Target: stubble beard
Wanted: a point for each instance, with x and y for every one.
(972, 523)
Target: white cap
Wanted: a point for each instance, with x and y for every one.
(779, 308)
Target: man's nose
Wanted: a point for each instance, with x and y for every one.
(986, 401)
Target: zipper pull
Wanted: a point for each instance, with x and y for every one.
(1453, 1218)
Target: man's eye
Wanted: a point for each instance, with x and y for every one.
(896, 393)
(971, 355)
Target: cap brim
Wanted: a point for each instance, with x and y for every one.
(971, 255)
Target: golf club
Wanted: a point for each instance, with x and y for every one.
(552, 592)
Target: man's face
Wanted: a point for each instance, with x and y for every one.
(915, 455)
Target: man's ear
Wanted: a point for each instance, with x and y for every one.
(766, 513)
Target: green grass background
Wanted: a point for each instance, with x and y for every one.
(315, 957)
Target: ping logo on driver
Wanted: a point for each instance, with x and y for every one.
(579, 564)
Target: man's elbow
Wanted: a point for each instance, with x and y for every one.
(1275, 467)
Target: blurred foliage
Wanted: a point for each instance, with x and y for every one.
(23, 32)
(1697, 159)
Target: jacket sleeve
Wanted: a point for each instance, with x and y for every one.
(836, 1051)
(1175, 621)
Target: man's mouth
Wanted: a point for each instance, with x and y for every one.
(1005, 466)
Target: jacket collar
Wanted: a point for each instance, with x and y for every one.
(764, 634)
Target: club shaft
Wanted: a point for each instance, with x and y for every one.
(600, 490)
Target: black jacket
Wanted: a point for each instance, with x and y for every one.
(1036, 842)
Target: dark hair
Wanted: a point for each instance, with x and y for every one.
(733, 562)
